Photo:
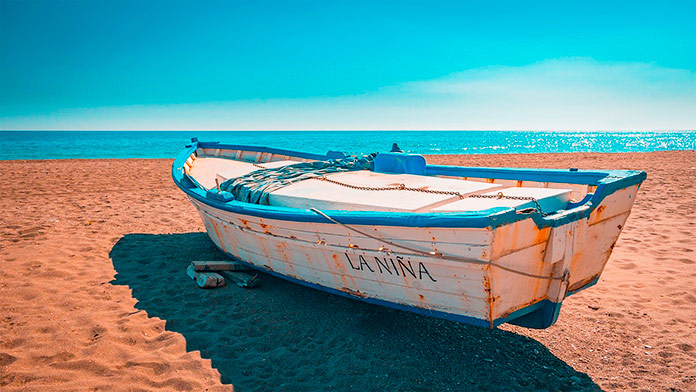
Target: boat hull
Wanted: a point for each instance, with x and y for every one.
(488, 267)
(337, 259)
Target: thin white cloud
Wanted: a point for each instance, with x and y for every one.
(562, 94)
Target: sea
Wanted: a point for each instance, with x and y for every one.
(166, 144)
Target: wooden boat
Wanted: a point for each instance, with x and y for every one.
(484, 246)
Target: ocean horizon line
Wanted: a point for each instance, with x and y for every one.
(166, 144)
(355, 130)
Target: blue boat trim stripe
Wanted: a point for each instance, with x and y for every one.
(270, 150)
(540, 175)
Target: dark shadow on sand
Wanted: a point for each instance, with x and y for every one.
(283, 336)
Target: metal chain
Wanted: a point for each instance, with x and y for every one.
(500, 195)
(400, 187)
(403, 187)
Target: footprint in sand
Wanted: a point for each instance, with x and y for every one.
(97, 332)
(6, 359)
(157, 368)
(63, 356)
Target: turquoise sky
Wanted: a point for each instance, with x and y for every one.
(347, 65)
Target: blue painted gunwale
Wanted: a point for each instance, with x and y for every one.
(606, 181)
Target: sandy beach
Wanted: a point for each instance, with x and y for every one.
(94, 296)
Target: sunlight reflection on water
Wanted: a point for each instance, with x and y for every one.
(166, 144)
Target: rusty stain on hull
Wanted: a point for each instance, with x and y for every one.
(578, 285)
(218, 235)
(537, 282)
(245, 223)
(489, 292)
(597, 214)
(356, 293)
(542, 235)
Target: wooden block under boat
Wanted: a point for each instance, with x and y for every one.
(205, 279)
(203, 266)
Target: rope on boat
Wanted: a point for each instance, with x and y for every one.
(440, 255)
(256, 186)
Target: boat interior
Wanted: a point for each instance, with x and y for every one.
(354, 190)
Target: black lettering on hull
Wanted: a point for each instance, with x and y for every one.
(364, 262)
(381, 264)
(421, 270)
(391, 267)
(351, 263)
(408, 268)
